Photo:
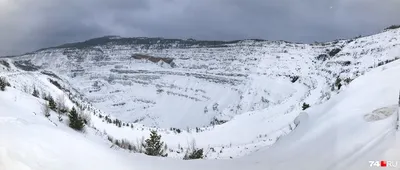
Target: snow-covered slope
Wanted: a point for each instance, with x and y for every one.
(202, 86)
(232, 99)
(198, 86)
(31, 141)
(354, 127)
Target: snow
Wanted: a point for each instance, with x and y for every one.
(31, 142)
(334, 135)
(343, 129)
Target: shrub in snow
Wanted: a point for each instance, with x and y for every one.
(215, 107)
(110, 138)
(339, 86)
(338, 83)
(125, 144)
(294, 79)
(117, 122)
(154, 146)
(176, 130)
(86, 118)
(264, 100)
(159, 91)
(216, 121)
(195, 154)
(348, 80)
(305, 106)
(75, 121)
(3, 83)
(192, 152)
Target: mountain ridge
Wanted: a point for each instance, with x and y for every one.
(102, 40)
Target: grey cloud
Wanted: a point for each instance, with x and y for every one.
(26, 25)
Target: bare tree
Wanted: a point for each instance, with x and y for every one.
(60, 117)
(192, 152)
(60, 101)
(86, 117)
(25, 88)
(192, 145)
(139, 146)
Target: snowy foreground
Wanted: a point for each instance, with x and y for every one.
(343, 133)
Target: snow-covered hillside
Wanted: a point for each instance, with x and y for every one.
(232, 99)
(172, 86)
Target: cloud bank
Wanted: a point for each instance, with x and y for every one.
(27, 25)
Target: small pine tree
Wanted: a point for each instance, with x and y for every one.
(305, 106)
(154, 145)
(338, 83)
(52, 103)
(3, 84)
(75, 121)
(35, 92)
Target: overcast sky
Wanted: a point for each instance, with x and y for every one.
(27, 25)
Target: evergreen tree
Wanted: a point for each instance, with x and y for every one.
(75, 121)
(154, 146)
(52, 103)
(305, 106)
(338, 83)
(35, 92)
(3, 84)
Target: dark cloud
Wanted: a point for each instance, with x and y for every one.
(26, 25)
